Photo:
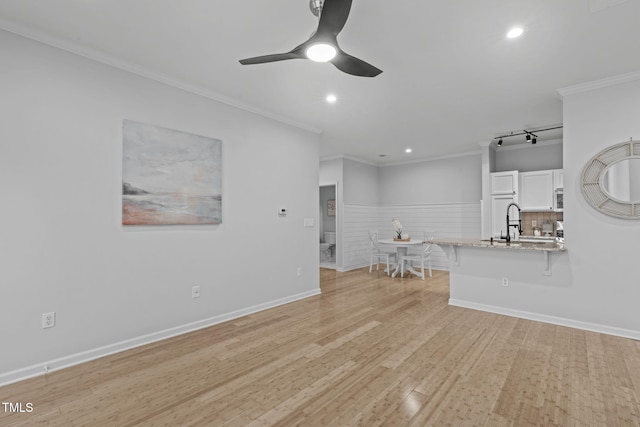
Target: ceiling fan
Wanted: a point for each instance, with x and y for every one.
(322, 46)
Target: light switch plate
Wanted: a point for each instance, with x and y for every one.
(309, 222)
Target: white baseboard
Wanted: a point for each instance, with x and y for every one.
(561, 321)
(352, 267)
(86, 356)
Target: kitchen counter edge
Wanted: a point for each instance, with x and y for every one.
(514, 245)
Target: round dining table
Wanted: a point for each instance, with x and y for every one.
(402, 246)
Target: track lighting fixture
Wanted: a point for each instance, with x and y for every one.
(530, 136)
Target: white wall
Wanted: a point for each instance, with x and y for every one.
(526, 157)
(330, 172)
(449, 180)
(62, 245)
(603, 250)
(360, 183)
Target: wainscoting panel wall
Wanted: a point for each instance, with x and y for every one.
(439, 220)
(356, 223)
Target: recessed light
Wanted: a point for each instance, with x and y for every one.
(408, 150)
(331, 98)
(515, 32)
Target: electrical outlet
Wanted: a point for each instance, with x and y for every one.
(48, 320)
(505, 281)
(299, 271)
(195, 292)
(534, 223)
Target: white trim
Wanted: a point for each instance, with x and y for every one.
(433, 159)
(429, 204)
(561, 321)
(406, 162)
(353, 267)
(345, 157)
(86, 356)
(357, 160)
(118, 63)
(598, 84)
(328, 158)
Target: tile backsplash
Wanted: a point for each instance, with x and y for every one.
(540, 218)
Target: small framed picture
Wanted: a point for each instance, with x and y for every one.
(331, 207)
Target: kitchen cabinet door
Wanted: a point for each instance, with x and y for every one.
(558, 179)
(504, 182)
(536, 190)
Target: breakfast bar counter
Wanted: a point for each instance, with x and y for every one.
(502, 248)
(525, 244)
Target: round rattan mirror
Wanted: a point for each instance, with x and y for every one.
(610, 180)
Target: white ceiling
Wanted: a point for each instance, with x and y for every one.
(451, 79)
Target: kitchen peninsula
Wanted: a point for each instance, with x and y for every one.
(515, 278)
(543, 246)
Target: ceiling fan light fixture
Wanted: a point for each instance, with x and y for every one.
(321, 52)
(515, 32)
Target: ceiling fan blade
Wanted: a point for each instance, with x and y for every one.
(354, 66)
(333, 16)
(271, 58)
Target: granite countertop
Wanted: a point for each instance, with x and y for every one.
(514, 244)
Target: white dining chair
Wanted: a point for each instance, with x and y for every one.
(420, 257)
(378, 254)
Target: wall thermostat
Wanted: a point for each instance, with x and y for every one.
(282, 211)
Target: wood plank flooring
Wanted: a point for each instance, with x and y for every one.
(368, 351)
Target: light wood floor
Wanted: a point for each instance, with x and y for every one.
(369, 351)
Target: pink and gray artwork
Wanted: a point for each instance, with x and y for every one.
(170, 177)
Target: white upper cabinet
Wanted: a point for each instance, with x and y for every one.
(504, 183)
(558, 179)
(537, 190)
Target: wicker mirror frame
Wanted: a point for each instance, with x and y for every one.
(592, 185)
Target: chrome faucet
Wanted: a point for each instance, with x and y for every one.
(519, 224)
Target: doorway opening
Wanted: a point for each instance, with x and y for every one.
(328, 212)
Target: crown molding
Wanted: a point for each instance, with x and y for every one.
(357, 160)
(598, 84)
(407, 162)
(432, 159)
(112, 61)
(346, 157)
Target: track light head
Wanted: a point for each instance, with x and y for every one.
(500, 142)
(528, 137)
(534, 140)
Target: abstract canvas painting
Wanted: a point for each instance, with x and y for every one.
(170, 177)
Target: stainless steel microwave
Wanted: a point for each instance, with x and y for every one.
(558, 200)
